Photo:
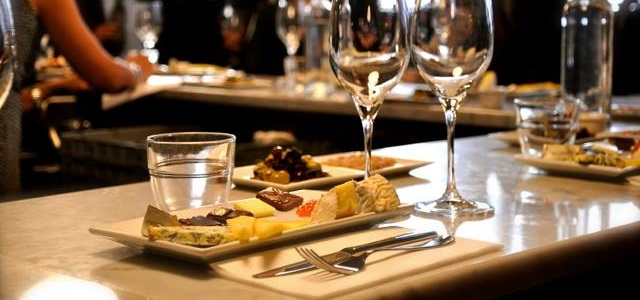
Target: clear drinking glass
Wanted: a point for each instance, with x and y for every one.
(290, 28)
(368, 55)
(148, 25)
(452, 45)
(190, 169)
(6, 50)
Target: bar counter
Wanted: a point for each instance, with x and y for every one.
(550, 227)
(487, 111)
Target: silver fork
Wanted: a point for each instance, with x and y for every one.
(357, 262)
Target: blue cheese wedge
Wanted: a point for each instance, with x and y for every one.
(203, 236)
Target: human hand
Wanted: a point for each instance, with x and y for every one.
(36, 96)
(142, 61)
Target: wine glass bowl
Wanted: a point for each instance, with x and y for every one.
(451, 43)
(368, 55)
(290, 28)
(148, 25)
(289, 24)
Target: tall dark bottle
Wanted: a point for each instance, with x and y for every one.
(116, 16)
(587, 49)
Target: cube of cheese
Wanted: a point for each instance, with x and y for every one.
(256, 206)
(242, 227)
(267, 228)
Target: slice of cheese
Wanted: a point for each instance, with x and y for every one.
(192, 235)
(325, 208)
(347, 199)
(256, 206)
(267, 228)
(242, 227)
(561, 152)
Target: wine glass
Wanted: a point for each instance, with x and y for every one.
(290, 28)
(368, 55)
(6, 50)
(148, 24)
(233, 26)
(452, 44)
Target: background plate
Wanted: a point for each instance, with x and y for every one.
(570, 168)
(242, 175)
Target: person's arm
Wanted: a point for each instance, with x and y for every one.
(73, 39)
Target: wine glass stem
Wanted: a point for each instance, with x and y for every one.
(450, 107)
(367, 129)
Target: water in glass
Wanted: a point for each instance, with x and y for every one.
(190, 183)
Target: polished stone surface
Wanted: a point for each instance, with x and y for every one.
(47, 248)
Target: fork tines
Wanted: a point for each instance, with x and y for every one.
(313, 258)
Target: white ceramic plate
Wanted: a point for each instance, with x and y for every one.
(128, 232)
(570, 168)
(401, 165)
(509, 137)
(243, 175)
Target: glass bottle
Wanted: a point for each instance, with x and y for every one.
(587, 48)
(318, 70)
(117, 15)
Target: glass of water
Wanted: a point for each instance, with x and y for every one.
(544, 121)
(190, 169)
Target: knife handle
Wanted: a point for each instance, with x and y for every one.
(392, 241)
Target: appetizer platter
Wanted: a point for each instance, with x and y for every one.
(209, 233)
(287, 168)
(617, 158)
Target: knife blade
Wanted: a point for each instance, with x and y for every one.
(345, 253)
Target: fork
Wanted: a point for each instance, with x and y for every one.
(357, 262)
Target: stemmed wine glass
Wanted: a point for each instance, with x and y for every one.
(6, 50)
(368, 55)
(148, 24)
(233, 26)
(452, 45)
(290, 28)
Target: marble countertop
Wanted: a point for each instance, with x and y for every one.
(47, 248)
(489, 109)
(486, 110)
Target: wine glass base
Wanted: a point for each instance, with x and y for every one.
(448, 207)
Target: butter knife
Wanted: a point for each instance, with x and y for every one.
(346, 253)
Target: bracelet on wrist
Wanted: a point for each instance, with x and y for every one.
(36, 96)
(133, 67)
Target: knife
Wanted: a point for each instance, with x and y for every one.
(346, 253)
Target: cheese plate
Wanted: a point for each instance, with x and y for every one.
(576, 169)
(128, 232)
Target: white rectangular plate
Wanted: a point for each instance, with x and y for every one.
(128, 232)
(401, 165)
(510, 137)
(243, 175)
(570, 168)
